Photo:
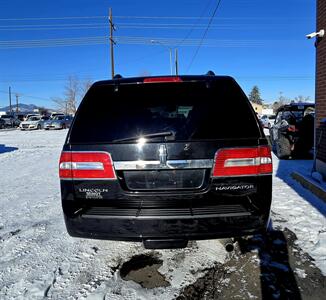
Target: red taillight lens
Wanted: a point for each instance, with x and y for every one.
(86, 165)
(242, 161)
(162, 79)
(292, 128)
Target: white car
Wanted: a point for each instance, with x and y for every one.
(33, 122)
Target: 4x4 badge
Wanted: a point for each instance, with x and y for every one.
(162, 154)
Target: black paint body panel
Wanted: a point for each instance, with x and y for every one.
(215, 208)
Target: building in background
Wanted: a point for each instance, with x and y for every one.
(257, 107)
(320, 125)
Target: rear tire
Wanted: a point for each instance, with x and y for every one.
(38, 126)
(283, 147)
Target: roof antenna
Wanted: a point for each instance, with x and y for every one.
(117, 76)
(210, 73)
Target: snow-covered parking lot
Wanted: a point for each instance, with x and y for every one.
(39, 260)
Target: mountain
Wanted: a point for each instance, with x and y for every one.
(22, 107)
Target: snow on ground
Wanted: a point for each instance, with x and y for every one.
(299, 210)
(37, 257)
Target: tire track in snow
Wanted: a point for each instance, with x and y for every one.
(19, 242)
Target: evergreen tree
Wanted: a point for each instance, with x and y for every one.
(254, 95)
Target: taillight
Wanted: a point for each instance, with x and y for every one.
(292, 128)
(86, 165)
(162, 79)
(242, 161)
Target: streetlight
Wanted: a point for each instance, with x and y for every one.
(170, 50)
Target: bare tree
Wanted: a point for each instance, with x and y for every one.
(74, 90)
(61, 104)
(85, 85)
(301, 99)
(280, 101)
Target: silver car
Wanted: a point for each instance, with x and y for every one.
(58, 122)
(33, 122)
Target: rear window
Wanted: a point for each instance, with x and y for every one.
(191, 110)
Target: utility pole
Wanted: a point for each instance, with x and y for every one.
(10, 100)
(17, 96)
(176, 62)
(112, 43)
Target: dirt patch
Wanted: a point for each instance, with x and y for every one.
(143, 269)
(262, 267)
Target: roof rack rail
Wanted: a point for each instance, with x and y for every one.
(210, 73)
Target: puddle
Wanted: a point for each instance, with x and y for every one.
(143, 269)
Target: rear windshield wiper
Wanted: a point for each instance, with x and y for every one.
(150, 135)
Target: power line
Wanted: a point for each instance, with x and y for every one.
(154, 17)
(195, 25)
(101, 40)
(190, 27)
(204, 35)
(158, 26)
(54, 24)
(137, 24)
(53, 28)
(222, 18)
(53, 18)
(27, 96)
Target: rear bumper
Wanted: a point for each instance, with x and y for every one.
(165, 216)
(127, 228)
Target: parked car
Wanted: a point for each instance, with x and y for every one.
(2, 123)
(56, 114)
(20, 116)
(58, 122)
(33, 122)
(267, 121)
(271, 120)
(30, 115)
(157, 163)
(10, 120)
(292, 134)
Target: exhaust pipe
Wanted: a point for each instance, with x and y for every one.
(228, 244)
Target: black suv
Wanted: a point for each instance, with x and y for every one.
(158, 160)
(292, 134)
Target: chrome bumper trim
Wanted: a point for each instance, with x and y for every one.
(157, 165)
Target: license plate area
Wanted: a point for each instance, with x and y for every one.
(164, 179)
